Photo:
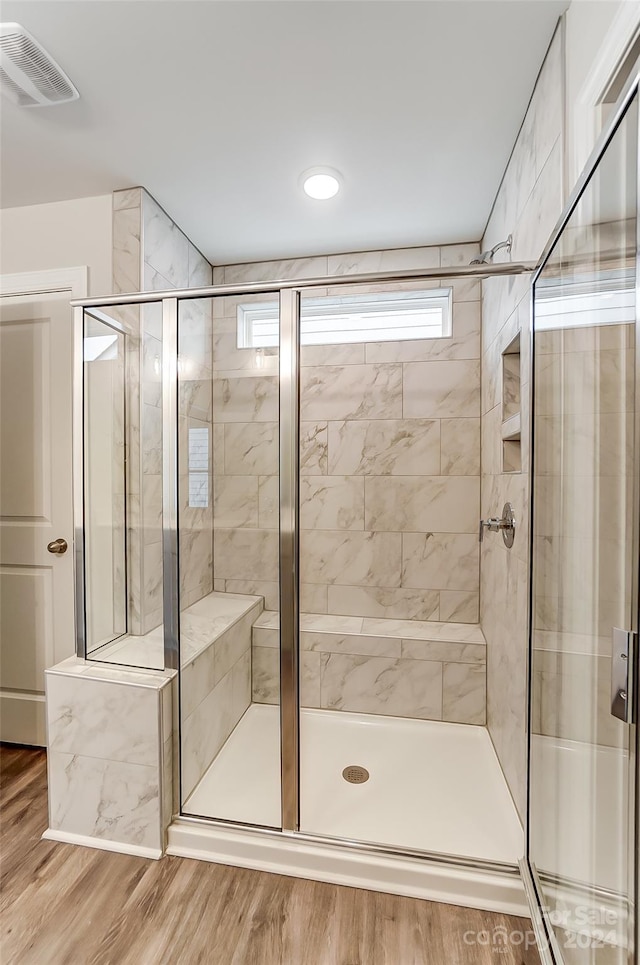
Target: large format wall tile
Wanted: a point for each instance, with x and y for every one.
(270, 270)
(235, 501)
(250, 399)
(353, 643)
(460, 447)
(393, 259)
(246, 554)
(441, 390)
(463, 693)
(422, 504)
(126, 247)
(108, 800)
(266, 677)
(399, 447)
(349, 354)
(251, 448)
(379, 685)
(460, 607)
(268, 502)
(443, 561)
(99, 719)
(352, 392)
(374, 601)
(369, 559)
(166, 247)
(331, 502)
(313, 448)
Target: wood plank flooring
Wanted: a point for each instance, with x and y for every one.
(64, 905)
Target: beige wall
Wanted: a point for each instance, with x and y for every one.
(64, 234)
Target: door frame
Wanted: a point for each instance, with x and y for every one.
(31, 285)
(50, 281)
(549, 951)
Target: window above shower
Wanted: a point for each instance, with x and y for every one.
(334, 320)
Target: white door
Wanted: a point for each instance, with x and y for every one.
(36, 507)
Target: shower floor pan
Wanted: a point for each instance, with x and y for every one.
(432, 786)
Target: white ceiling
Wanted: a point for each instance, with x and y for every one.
(217, 107)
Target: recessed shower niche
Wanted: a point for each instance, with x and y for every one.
(511, 408)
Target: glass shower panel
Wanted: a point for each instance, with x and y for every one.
(123, 515)
(583, 543)
(228, 511)
(104, 481)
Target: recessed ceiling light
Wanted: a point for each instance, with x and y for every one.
(321, 183)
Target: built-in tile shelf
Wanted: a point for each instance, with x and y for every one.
(511, 429)
(511, 419)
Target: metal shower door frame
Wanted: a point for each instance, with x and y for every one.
(550, 952)
(289, 293)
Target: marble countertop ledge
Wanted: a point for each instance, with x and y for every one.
(92, 670)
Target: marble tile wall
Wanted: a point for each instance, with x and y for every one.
(109, 732)
(528, 205)
(403, 668)
(390, 456)
(572, 624)
(152, 254)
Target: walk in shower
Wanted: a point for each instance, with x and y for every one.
(280, 501)
(290, 520)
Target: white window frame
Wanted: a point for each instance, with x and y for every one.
(438, 301)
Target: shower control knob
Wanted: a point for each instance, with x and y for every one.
(58, 547)
(505, 524)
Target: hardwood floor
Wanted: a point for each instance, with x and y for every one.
(63, 905)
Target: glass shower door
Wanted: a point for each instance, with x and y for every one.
(585, 551)
(228, 523)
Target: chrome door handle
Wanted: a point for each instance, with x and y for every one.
(58, 547)
(621, 654)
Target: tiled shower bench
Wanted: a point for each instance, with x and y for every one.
(398, 668)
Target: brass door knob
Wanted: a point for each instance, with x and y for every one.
(58, 546)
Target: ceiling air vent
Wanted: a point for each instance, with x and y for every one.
(28, 75)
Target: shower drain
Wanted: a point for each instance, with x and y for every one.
(355, 774)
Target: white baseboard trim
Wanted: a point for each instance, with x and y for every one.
(411, 877)
(85, 841)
